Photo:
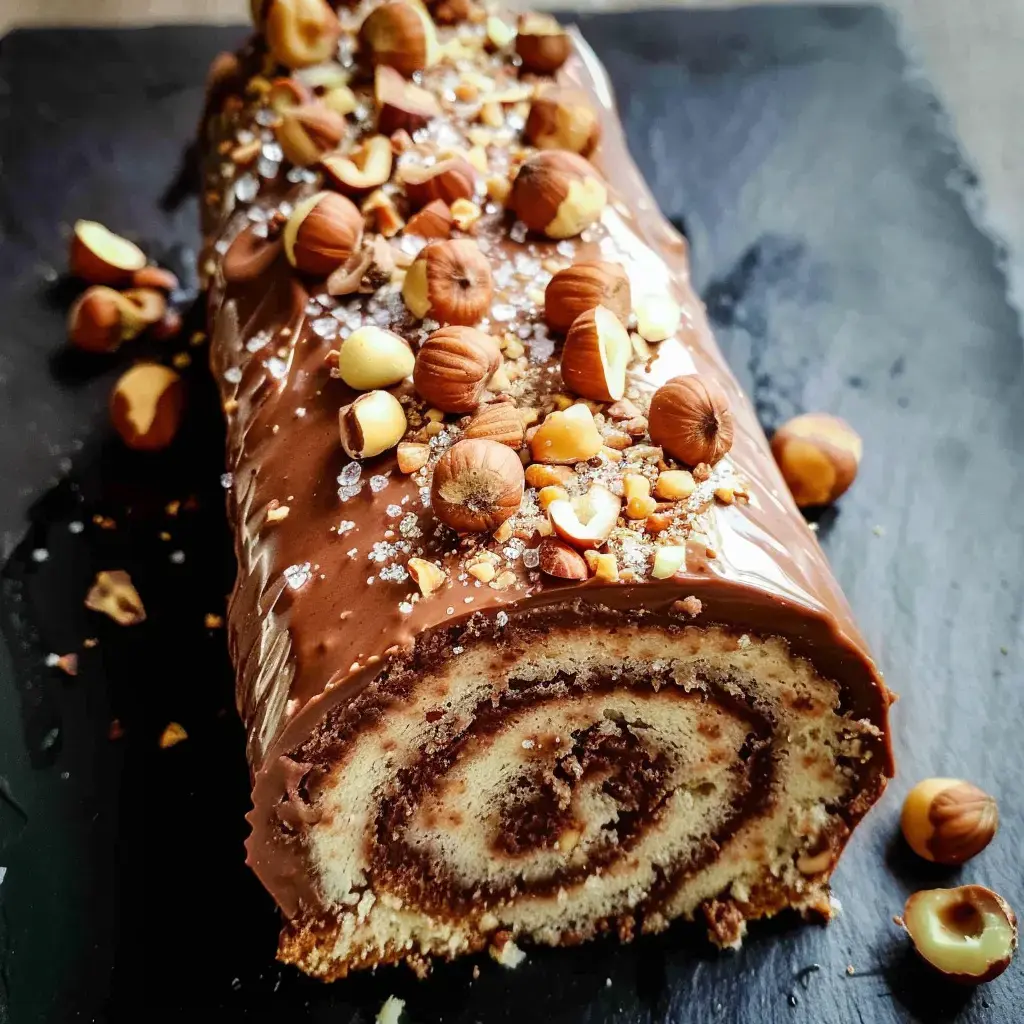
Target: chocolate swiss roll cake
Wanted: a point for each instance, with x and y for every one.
(532, 642)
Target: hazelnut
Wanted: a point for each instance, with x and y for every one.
(380, 207)
(968, 934)
(98, 256)
(433, 221)
(146, 406)
(401, 106)
(400, 35)
(603, 566)
(556, 193)
(560, 560)
(113, 594)
(499, 421)
(155, 278)
(307, 133)
(674, 485)
(637, 490)
(477, 485)
(300, 33)
(690, 418)
(451, 12)
(948, 821)
(426, 575)
(454, 367)
(322, 233)
(668, 560)
(540, 475)
(371, 358)
(412, 456)
(451, 179)
(818, 456)
(583, 286)
(371, 424)
(287, 94)
(586, 521)
(542, 43)
(249, 256)
(563, 119)
(449, 281)
(148, 306)
(364, 168)
(101, 318)
(567, 437)
(657, 317)
(595, 355)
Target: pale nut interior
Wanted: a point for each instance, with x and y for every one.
(582, 205)
(114, 250)
(142, 387)
(615, 349)
(291, 229)
(657, 317)
(588, 518)
(371, 358)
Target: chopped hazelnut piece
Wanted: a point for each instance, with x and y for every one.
(426, 575)
(172, 735)
(113, 594)
(603, 566)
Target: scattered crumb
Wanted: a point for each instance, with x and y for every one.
(115, 730)
(164, 535)
(505, 952)
(89, 642)
(688, 606)
(212, 621)
(391, 1011)
(104, 522)
(277, 512)
(40, 555)
(113, 594)
(172, 735)
(172, 507)
(67, 663)
(181, 361)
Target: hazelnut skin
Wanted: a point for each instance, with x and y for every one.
(146, 406)
(690, 418)
(819, 456)
(322, 233)
(948, 821)
(477, 485)
(557, 194)
(583, 286)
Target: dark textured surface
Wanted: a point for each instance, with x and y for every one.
(842, 272)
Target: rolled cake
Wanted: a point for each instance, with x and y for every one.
(531, 640)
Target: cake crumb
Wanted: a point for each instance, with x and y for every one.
(391, 1011)
(505, 952)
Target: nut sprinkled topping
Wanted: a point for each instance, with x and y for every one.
(146, 406)
(364, 168)
(426, 575)
(563, 119)
(968, 934)
(542, 43)
(307, 132)
(560, 560)
(322, 233)
(499, 421)
(433, 221)
(101, 318)
(98, 256)
(400, 35)
(401, 106)
(558, 194)
(371, 358)
(300, 33)
(372, 424)
(451, 179)
(587, 520)
(113, 594)
(595, 356)
(451, 281)
(567, 437)
(690, 418)
(477, 485)
(657, 317)
(454, 367)
(819, 456)
(948, 821)
(583, 286)
(412, 456)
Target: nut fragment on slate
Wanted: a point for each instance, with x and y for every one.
(401, 35)
(98, 256)
(449, 281)
(97, 320)
(557, 193)
(146, 406)
(113, 594)
(948, 821)
(477, 485)
(690, 418)
(173, 734)
(300, 33)
(371, 424)
(819, 456)
(968, 934)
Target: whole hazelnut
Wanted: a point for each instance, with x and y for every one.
(97, 320)
(98, 256)
(542, 44)
(477, 485)
(557, 194)
(322, 233)
(690, 418)
(371, 358)
(563, 119)
(499, 421)
(968, 934)
(454, 367)
(948, 821)
(300, 33)
(449, 281)
(371, 424)
(819, 456)
(433, 221)
(561, 560)
(364, 168)
(400, 35)
(583, 286)
(595, 356)
(401, 106)
(146, 406)
(448, 180)
(307, 132)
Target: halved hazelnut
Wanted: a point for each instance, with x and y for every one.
(562, 561)
(98, 256)
(454, 367)
(690, 418)
(818, 455)
(400, 35)
(557, 193)
(657, 317)
(322, 233)
(465, 213)
(426, 575)
(99, 320)
(583, 286)
(542, 43)
(301, 32)
(364, 168)
(968, 934)
(372, 424)
(287, 94)
(401, 106)
(499, 421)
(567, 437)
(307, 133)
(114, 594)
(371, 358)
(595, 355)
(477, 485)
(146, 406)
(586, 521)
(563, 119)
(149, 305)
(412, 456)
(449, 281)
(948, 821)
(451, 179)
(433, 221)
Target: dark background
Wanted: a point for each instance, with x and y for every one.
(830, 239)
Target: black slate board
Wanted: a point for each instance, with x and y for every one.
(843, 273)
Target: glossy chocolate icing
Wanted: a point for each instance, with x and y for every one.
(300, 650)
